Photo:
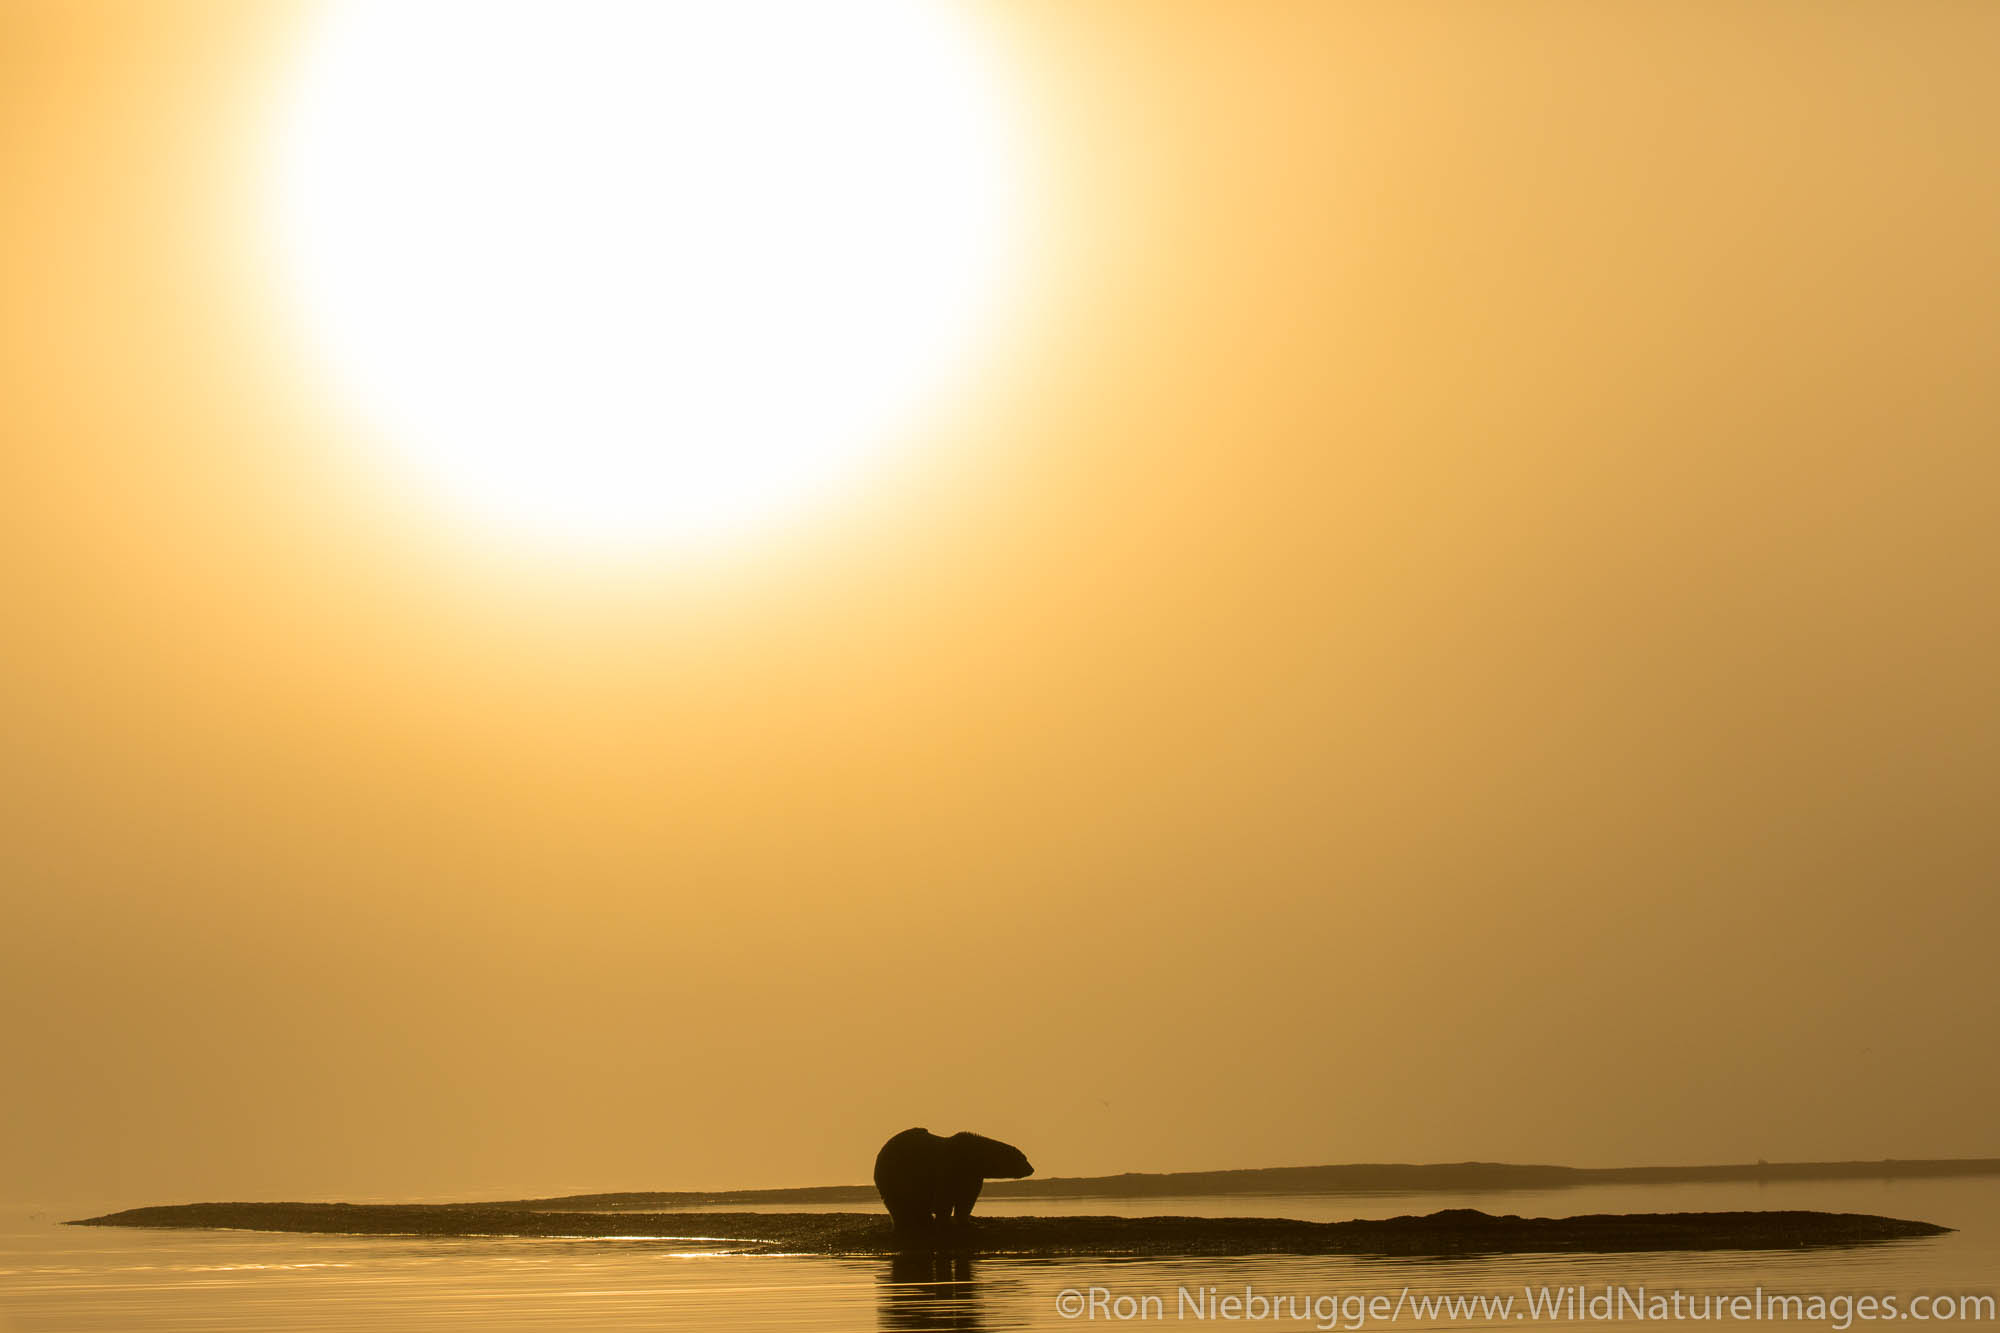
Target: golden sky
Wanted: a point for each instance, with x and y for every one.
(1461, 623)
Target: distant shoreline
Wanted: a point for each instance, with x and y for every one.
(1358, 1178)
(1452, 1231)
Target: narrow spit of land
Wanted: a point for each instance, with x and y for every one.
(1357, 1178)
(1453, 1231)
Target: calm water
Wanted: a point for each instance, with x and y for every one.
(77, 1278)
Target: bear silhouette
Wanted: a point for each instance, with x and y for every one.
(927, 1180)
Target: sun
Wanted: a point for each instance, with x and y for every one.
(625, 277)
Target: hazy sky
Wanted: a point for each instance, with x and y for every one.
(1463, 625)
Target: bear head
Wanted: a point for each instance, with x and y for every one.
(993, 1159)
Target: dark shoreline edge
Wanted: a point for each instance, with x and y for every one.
(1453, 1231)
(1351, 1178)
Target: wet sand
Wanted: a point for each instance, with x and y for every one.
(1453, 1231)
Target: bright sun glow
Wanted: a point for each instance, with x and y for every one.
(642, 275)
